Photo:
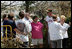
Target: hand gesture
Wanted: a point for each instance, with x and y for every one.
(69, 23)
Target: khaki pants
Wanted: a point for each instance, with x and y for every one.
(37, 41)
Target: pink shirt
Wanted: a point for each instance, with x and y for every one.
(37, 30)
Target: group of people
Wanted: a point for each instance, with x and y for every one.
(25, 25)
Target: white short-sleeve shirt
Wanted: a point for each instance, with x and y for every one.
(49, 20)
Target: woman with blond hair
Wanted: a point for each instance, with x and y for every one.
(64, 32)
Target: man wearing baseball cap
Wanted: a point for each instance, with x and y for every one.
(49, 20)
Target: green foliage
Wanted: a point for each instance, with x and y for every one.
(68, 19)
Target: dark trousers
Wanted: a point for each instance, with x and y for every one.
(65, 43)
(56, 44)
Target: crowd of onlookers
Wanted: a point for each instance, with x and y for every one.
(33, 26)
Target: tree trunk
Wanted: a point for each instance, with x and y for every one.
(27, 6)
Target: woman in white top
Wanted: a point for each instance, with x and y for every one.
(64, 32)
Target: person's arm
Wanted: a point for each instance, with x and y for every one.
(69, 23)
(17, 31)
(62, 27)
(58, 19)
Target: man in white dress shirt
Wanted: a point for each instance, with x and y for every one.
(55, 34)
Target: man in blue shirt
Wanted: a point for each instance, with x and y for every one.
(10, 22)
